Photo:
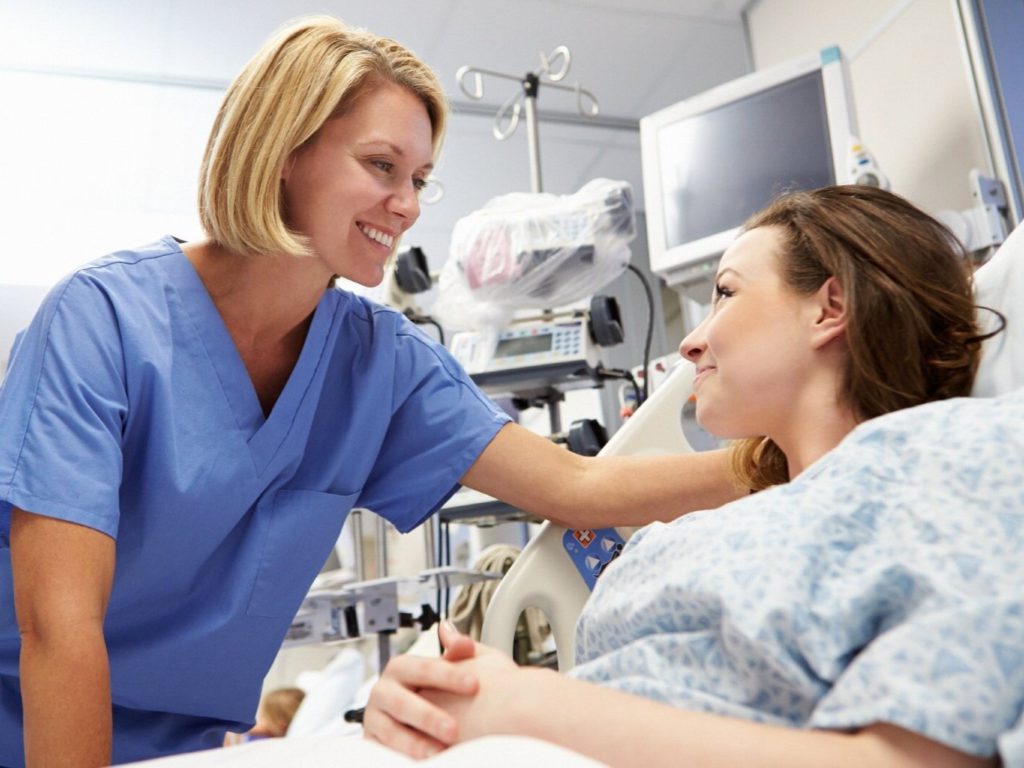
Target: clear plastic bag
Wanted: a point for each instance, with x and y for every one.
(534, 251)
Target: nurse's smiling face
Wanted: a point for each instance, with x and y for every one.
(753, 352)
(353, 188)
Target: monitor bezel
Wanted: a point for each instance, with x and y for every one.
(681, 262)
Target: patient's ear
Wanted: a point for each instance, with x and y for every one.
(829, 313)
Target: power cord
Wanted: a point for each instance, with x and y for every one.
(650, 333)
(620, 373)
(425, 320)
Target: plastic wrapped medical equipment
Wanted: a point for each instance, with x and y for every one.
(535, 251)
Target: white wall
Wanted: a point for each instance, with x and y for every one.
(18, 303)
(91, 165)
(915, 101)
(97, 165)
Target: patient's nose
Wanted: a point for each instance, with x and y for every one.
(693, 346)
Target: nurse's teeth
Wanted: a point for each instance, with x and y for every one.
(376, 234)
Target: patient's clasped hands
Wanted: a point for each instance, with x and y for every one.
(421, 705)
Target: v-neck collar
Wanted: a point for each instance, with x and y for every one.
(264, 434)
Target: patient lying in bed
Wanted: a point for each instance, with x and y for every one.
(866, 606)
(884, 584)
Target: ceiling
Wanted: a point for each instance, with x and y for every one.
(636, 56)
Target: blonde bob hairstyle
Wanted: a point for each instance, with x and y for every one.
(308, 72)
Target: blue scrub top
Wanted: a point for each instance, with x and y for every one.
(127, 409)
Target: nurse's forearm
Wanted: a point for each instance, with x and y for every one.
(65, 688)
(531, 473)
(63, 574)
(636, 490)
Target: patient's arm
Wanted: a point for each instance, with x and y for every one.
(620, 729)
(397, 715)
(532, 473)
(62, 578)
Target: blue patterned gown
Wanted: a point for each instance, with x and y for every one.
(885, 584)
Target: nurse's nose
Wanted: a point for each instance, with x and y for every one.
(405, 202)
(693, 346)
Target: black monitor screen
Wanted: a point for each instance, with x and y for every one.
(720, 166)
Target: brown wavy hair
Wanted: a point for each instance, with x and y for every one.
(911, 334)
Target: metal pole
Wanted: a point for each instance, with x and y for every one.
(382, 547)
(531, 85)
(356, 518)
(554, 415)
(431, 535)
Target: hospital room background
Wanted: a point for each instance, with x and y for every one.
(105, 107)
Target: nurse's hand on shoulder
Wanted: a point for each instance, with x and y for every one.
(399, 717)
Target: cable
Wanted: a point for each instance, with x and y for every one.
(650, 332)
(425, 320)
(620, 373)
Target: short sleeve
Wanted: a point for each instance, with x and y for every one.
(955, 676)
(62, 410)
(440, 425)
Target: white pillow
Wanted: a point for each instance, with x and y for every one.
(999, 284)
(328, 694)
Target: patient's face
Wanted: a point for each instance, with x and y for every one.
(752, 352)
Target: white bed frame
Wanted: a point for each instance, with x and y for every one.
(543, 576)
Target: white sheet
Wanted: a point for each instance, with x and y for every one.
(352, 751)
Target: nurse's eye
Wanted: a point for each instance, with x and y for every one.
(383, 165)
(419, 184)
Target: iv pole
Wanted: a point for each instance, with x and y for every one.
(507, 118)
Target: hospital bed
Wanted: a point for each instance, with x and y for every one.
(657, 428)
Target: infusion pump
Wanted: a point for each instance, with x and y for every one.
(529, 355)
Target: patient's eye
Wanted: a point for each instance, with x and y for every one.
(721, 292)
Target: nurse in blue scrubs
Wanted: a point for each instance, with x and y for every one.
(185, 426)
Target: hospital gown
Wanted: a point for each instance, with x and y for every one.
(884, 584)
(127, 409)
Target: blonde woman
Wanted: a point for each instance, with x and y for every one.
(185, 426)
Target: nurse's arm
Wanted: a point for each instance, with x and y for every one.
(532, 473)
(62, 579)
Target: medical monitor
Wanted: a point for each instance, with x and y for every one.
(711, 161)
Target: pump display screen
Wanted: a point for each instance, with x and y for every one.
(523, 345)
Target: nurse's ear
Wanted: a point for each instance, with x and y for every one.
(828, 313)
(286, 169)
